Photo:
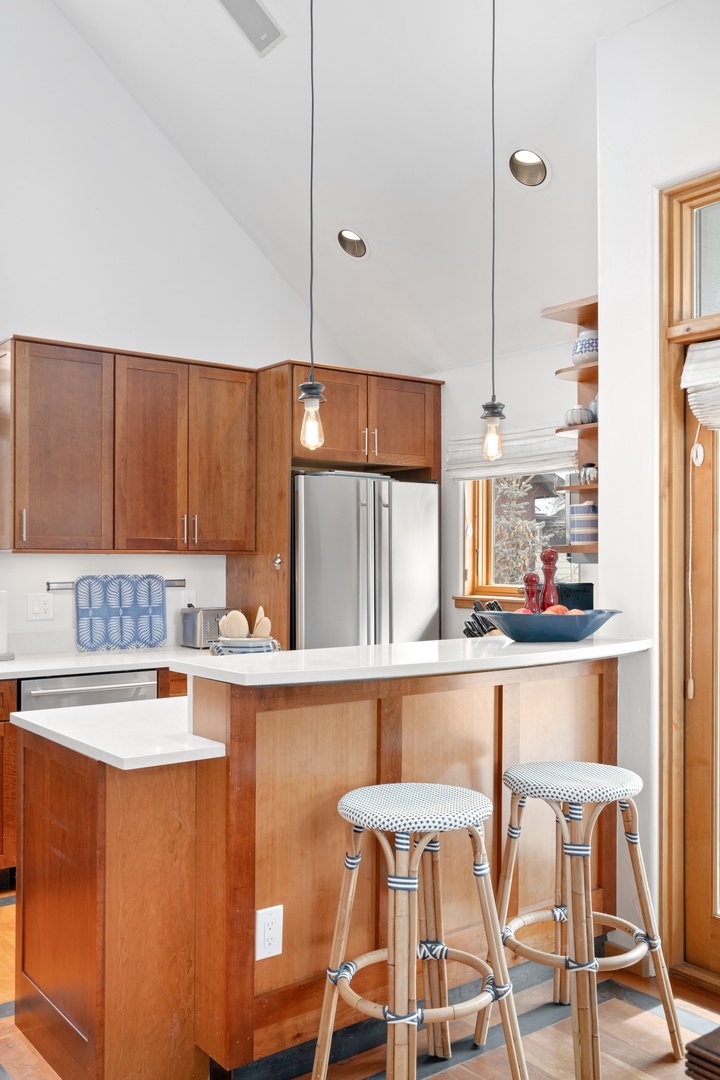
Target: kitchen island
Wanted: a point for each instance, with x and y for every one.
(300, 729)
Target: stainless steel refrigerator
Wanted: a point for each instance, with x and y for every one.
(366, 560)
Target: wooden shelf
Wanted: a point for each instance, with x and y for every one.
(582, 313)
(577, 487)
(590, 429)
(577, 549)
(579, 373)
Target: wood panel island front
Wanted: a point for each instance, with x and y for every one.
(258, 827)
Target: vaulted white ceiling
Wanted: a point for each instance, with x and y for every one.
(402, 153)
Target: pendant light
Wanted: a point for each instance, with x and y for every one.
(492, 409)
(311, 392)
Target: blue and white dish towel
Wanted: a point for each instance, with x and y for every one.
(120, 611)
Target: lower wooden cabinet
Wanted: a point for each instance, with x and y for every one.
(105, 916)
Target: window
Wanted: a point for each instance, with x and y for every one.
(508, 522)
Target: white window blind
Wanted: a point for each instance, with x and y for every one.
(701, 379)
(534, 450)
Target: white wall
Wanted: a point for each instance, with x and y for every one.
(658, 87)
(109, 238)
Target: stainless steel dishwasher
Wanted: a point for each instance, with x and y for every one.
(61, 691)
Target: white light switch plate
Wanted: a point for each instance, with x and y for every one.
(40, 605)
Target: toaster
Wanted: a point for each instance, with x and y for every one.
(200, 626)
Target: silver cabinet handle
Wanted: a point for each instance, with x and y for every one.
(365, 441)
(91, 689)
(375, 438)
(23, 527)
(277, 561)
(184, 528)
(195, 520)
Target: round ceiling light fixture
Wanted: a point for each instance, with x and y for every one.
(352, 243)
(529, 168)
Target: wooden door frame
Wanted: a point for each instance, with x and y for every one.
(678, 328)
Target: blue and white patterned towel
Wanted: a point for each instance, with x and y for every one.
(120, 611)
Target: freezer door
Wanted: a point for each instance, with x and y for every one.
(413, 604)
(333, 603)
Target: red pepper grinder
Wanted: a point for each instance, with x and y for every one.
(549, 594)
(532, 584)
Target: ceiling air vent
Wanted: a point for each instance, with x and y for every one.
(255, 23)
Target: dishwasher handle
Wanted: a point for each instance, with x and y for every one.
(91, 689)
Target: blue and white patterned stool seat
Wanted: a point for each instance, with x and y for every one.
(572, 781)
(408, 808)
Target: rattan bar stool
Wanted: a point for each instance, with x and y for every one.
(568, 787)
(422, 811)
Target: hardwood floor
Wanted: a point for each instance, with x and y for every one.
(634, 1038)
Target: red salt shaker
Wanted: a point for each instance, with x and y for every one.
(532, 584)
(549, 594)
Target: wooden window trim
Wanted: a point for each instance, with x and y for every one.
(477, 551)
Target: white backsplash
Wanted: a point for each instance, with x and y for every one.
(21, 574)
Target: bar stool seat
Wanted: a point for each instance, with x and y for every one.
(415, 929)
(568, 787)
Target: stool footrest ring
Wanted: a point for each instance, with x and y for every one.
(643, 943)
(489, 993)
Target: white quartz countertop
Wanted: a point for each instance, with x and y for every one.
(365, 662)
(127, 735)
(74, 663)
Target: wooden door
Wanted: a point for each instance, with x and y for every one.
(151, 438)
(63, 448)
(221, 460)
(344, 417)
(401, 419)
(8, 775)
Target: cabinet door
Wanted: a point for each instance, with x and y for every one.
(344, 417)
(401, 418)
(151, 433)
(63, 448)
(221, 456)
(8, 774)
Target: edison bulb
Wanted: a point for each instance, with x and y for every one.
(492, 446)
(311, 434)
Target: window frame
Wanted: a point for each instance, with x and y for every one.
(477, 550)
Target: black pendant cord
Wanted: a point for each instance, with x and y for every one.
(312, 186)
(492, 242)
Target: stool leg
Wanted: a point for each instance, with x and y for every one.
(496, 954)
(517, 805)
(629, 813)
(402, 936)
(584, 992)
(431, 929)
(337, 954)
(561, 987)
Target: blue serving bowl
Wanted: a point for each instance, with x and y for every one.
(541, 627)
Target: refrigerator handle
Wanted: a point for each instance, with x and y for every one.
(299, 562)
(366, 606)
(383, 563)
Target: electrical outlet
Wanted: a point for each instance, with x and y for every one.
(188, 597)
(40, 605)
(268, 932)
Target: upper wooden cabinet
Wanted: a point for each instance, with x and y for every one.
(63, 448)
(184, 457)
(102, 452)
(374, 420)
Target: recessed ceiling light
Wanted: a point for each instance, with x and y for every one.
(528, 168)
(352, 243)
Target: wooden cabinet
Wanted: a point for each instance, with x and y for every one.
(374, 420)
(105, 916)
(8, 775)
(584, 315)
(184, 457)
(406, 414)
(63, 448)
(101, 452)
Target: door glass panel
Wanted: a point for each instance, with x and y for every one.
(707, 260)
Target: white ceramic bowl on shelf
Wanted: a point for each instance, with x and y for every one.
(578, 415)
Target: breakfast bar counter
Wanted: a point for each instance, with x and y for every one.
(302, 728)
